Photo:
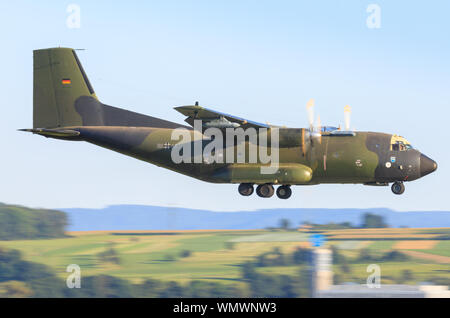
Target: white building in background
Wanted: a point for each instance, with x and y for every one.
(322, 272)
(322, 284)
(385, 291)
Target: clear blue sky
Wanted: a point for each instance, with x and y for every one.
(256, 59)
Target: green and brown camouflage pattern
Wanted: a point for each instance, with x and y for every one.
(73, 112)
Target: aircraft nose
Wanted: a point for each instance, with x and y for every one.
(427, 165)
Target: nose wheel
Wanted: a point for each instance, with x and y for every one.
(398, 188)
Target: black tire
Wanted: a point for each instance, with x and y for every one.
(284, 192)
(398, 188)
(246, 189)
(265, 190)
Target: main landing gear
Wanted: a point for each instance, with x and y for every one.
(265, 190)
(284, 192)
(398, 187)
(245, 189)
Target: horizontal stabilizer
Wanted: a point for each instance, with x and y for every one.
(54, 133)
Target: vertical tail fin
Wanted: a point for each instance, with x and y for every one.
(59, 81)
(64, 97)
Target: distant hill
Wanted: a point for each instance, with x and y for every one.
(138, 217)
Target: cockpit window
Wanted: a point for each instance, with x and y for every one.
(398, 143)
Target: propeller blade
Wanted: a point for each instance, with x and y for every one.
(318, 133)
(347, 112)
(314, 133)
(310, 110)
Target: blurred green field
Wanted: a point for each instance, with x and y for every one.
(216, 255)
(441, 248)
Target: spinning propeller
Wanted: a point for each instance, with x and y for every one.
(315, 130)
(313, 135)
(347, 112)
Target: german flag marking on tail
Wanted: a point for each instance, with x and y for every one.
(66, 81)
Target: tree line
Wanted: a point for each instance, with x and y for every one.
(20, 278)
(20, 223)
(369, 220)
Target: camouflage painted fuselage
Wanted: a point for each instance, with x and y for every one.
(66, 107)
(337, 159)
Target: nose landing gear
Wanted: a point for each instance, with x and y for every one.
(398, 187)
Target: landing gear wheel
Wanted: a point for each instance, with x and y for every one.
(284, 192)
(265, 190)
(245, 189)
(398, 188)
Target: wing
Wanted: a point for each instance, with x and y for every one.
(208, 115)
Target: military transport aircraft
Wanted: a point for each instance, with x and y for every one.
(66, 107)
